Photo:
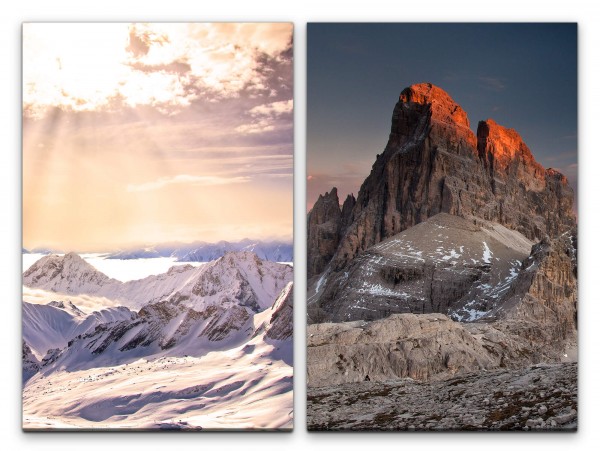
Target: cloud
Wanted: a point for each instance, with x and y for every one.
(91, 67)
(84, 302)
(493, 83)
(174, 67)
(186, 179)
(266, 117)
(259, 126)
(273, 109)
(141, 37)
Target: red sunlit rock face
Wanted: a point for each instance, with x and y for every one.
(443, 108)
(499, 147)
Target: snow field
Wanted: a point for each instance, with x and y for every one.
(222, 390)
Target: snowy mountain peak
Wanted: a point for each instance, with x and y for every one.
(199, 251)
(73, 256)
(180, 269)
(210, 320)
(238, 278)
(238, 256)
(67, 306)
(65, 274)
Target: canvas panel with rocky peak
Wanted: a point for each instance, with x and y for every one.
(455, 265)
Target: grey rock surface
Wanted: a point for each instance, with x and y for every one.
(421, 347)
(534, 321)
(538, 397)
(323, 226)
(424, 347)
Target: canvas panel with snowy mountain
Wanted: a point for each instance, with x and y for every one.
(157, 226)
(442, 227)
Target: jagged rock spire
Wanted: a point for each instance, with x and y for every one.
(434, 163)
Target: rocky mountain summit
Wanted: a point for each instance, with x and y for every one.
(445, 223)
(433, 163)
(456, 265)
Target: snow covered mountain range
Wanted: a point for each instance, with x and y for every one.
(237, 278)
(238, 304)
(200, 251)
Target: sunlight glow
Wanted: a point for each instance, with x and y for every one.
(85, 67)
(156, 132)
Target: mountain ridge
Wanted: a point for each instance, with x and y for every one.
(236, 278)
(161, 329)
(185, 311)
(197, 251)
(433, 163)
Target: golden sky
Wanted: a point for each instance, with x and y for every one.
(147, 133)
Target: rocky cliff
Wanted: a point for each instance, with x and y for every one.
(281, 325)
(533, 320)
(323, 238)
(31, 364)
(434, 163)
(542, 301)
(446, 264)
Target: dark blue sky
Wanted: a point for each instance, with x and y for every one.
(524, 76)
